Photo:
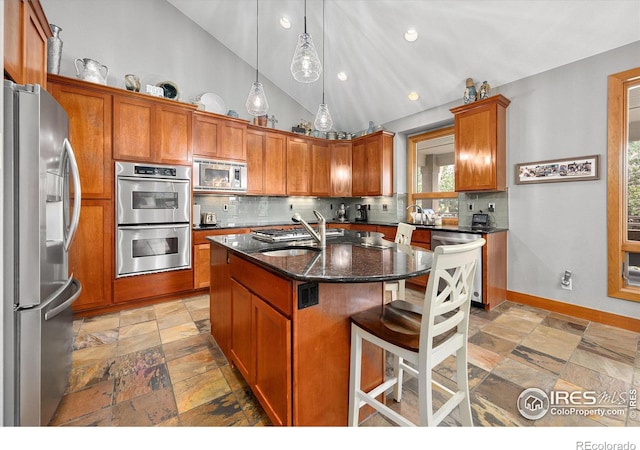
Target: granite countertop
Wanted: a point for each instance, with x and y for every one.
(356, 257)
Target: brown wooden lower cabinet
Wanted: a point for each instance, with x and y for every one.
(153, 285)
(296, 361)
(91, 255)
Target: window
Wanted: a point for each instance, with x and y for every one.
(431, 173)
(623, 178)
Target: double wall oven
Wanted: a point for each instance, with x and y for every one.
(153, 213)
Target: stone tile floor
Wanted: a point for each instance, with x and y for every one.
(158, 366)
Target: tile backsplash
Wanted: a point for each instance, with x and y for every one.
(249, 210)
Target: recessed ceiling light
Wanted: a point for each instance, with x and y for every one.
(413, 96)
(342, 76)
(411, 35)
(284, 22)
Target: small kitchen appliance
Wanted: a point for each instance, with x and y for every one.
(208, 218)
(219, 176)
(361, 213)
(480, 221)
(341, 214)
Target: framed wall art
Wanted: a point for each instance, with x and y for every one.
(581, 168)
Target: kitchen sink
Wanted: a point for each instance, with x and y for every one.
(290, 251)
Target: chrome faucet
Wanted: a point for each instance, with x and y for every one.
(321, 236)
(418, 211)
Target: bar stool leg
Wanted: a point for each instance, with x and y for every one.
(355, 373)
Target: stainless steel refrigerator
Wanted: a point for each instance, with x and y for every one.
(41, 195)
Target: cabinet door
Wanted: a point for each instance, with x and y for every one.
(298, 166)
(275, 164)
(233, 140)
(374, 166)
(201, 254)
(320, 169)
(272, 378)
(359, 177)
(241, 332)
(220, 299)
(205, 136)
(480, 145)
(173, 135)
(255, 162)
(341, 170)
(13, 39)
(90, 135)
(475, 151)
(35, 46)
(132, 123)
(91, 254)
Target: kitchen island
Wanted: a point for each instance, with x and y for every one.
(280, 314)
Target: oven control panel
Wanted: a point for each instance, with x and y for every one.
(158, 171)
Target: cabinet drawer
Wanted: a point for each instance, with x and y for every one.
(275, 290)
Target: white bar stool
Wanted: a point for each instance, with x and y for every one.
(420, 338)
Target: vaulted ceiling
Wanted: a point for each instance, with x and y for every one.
(499, 41)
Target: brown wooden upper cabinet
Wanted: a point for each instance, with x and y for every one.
(26, 30)
(266, 162)
(89, 112)
(480, 145)
(320, 169)
(298, 166)
(151, 131)
(340, 169)
(216, 138)
(372, 157)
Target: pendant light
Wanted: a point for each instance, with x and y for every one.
(305, 65)
(257, 104)
(323, 121)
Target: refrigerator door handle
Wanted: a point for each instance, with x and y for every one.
(75, 173)
(67, 303)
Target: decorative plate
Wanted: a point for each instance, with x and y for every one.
(212, 103)
(170, 89)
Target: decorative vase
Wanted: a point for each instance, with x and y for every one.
(484, 90)
(132, 82)
(54, 50)
(470, 94)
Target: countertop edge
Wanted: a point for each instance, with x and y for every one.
(311, 278)
(451, 228)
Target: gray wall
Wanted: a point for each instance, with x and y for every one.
(153, 40)
(552, 226)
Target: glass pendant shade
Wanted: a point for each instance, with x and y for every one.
(257, 104)
(323, 121)
(305, 66)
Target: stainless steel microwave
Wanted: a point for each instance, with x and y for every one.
(219, 176)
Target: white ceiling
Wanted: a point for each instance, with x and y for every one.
(499, 41)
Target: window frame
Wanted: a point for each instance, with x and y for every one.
(412, 176)
(617, 139)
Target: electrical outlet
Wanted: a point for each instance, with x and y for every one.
(384, 207)
(225, 207)
(492, 207)
(470, 207)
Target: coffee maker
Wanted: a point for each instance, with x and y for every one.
(361, 213)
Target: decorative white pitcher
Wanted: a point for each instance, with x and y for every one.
(90, 70)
